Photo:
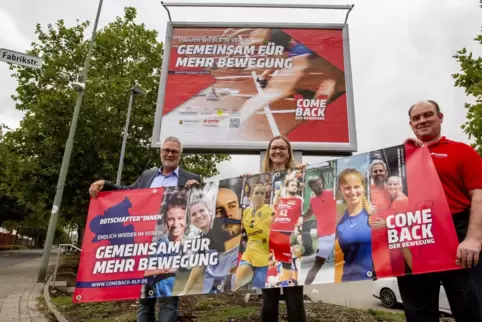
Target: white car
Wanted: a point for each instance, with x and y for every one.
(386, 290)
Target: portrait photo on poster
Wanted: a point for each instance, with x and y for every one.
(388, 196)
(204, 245)
(256, 222)
(287, 202)
(316, 232)
(353, 244)
(227, 235)
(160, 267)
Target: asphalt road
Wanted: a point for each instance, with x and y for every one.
(13, 257)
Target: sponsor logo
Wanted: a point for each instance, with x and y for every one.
(189, 122)
(211, 122)
(309, 109)
(282, 220)
(255, 233)
(439, 155)
(188, 111)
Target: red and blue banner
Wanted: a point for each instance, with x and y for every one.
(372, 215)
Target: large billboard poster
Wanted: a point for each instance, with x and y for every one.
(234, 88)
(372, 215)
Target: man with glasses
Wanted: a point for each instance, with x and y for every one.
(168, 175)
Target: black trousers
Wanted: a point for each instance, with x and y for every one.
(420, 296)
(420, 293)
(294, 303)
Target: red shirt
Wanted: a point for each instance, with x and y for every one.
(288, 210)
(324, 209)
(380, 197)
(459, 168)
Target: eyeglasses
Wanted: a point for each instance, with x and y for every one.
(169, 151)
(259, 193)
(281, 148)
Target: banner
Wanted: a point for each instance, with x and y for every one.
(377, 214)
(244, 85)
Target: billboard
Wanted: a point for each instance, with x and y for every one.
(373, 215)
(232, 87)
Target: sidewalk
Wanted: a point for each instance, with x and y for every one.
(19, 290)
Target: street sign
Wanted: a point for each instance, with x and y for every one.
(17, 58)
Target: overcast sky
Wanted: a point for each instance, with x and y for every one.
(401, 52)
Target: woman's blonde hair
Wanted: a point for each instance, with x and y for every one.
(342, 179)
(260, 185)
(290, 162)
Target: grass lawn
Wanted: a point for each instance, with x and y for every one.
(205, 308)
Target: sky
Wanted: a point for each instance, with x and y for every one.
(401, 52)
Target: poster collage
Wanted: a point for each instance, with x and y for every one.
(287, 228)
(372, 215)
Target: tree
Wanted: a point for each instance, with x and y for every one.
(125, 53)
(470, 78)
(10, 207)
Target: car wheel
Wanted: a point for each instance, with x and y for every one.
(388, 298)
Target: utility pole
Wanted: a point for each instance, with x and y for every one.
(134, 90)
(80, 87)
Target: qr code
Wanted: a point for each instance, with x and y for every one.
(234, 122)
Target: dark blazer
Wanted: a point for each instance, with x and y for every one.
(146, 178)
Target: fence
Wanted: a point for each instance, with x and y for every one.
(10, 238)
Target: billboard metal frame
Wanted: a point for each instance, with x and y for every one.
(308, 148)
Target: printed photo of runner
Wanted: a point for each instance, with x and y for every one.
(287, 201)
(256, 222)
(353, 245)
(248, 84)
(316, 234)
(201, 209)
(388, 196)
(170, 231)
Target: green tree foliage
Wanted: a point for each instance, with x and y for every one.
(125, 53)
(470, 78)
(10, 206)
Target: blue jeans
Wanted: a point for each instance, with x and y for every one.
(167, 311)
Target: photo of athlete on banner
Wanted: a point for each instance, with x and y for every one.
(353, 247)
(201, 211)
(319, 224)
(227, 225)
(169, 235)
(388, 196)
(287, 203)
(257, 214)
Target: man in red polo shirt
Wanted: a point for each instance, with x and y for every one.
(460, 171)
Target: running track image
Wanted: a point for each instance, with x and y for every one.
(240, 109)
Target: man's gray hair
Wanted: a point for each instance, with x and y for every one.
(378, 162)
(172, 139)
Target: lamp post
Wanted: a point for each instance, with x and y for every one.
(80, 87)
(134, 91)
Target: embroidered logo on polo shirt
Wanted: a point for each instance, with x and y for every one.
(439, 155)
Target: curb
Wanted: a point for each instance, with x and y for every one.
(58, 316)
